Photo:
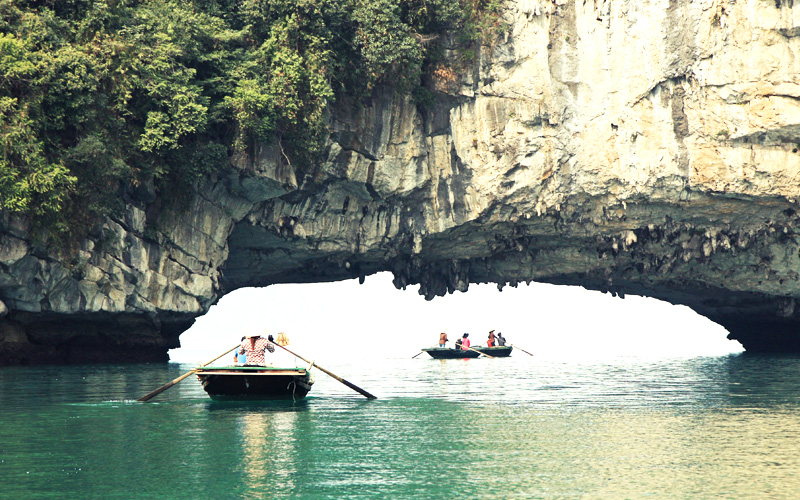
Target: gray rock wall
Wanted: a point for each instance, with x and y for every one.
(646, 147)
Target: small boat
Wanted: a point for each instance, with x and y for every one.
(448, 353)
(255, 382)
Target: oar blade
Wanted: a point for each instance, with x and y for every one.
(148, 397)
(333, 375)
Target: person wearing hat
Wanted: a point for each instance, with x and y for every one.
(491, 340)
(254, 347)
(465, 341)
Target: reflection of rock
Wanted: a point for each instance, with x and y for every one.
(625, 146)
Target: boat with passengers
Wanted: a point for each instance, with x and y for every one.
(255, 382)
(472, 352)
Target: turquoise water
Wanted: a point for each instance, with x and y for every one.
(718, 428)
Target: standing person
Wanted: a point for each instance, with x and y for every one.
(465, 341)
(491, 340)
(501, 341)
(443, 339)
(254, 347)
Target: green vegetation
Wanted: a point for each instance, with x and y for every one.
(99, 98)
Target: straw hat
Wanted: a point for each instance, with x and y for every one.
(252, 333)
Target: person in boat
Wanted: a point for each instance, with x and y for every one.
(443, 339)
(282, 339)
(239, 358)
(491, 341)
(465, 341)
(501, 341)
(255, 347)
(458, 344)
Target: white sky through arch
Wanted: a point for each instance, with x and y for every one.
(348, 320)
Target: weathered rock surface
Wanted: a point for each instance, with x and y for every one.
(639, 147)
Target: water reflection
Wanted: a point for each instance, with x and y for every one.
(763, 380)
(723, 427)
(623, 383)
(268, 448)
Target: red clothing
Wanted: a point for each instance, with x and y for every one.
(465, 344)
(254, 349)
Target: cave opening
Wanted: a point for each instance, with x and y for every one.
(346, 320)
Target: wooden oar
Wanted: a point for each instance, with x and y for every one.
(521, 349)
(337, 377)
(480, 352)
(420, 352)
(166, 386)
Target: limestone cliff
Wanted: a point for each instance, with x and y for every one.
(643, 147)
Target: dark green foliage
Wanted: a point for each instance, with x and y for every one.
(99, 97)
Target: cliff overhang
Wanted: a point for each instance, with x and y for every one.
(629, 147)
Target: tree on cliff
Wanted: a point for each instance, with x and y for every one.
(102, 99)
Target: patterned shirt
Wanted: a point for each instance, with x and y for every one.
(254, 349)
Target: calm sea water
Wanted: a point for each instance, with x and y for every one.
(705, 428)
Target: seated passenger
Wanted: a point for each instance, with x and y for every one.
(239, 358)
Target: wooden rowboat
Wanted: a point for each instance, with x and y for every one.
(447, 353)
(255, 382)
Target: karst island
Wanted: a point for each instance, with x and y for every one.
(157, 155)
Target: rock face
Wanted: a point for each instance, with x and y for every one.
(648, 148)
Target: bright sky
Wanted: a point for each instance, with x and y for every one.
(345, 319)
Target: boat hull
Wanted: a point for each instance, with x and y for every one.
(447, 353)
(255, 383)
(497, 352)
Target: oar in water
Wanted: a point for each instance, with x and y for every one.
(480, 352)
(337, 377)
(521, 349)
(166, 386)
(420, 352)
